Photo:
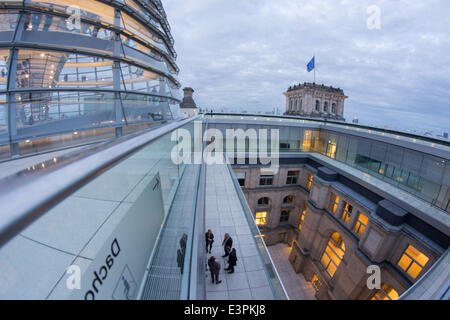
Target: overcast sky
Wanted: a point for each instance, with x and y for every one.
(246, 53)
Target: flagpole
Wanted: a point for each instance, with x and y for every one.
(315, 66)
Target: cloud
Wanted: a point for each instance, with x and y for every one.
(246, 53)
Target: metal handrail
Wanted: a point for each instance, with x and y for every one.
(22, 197)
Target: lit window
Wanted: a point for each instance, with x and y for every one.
(316, 282)
(361, 224)
(310, 181)
(265, 180)
(306, 145)
(386, 293)
(292, 177)
(263, 201)
(334, 252)
(334, 202)
(260, 218)
(347, 212)
(288, 199)
(413, 261)
(284, 215)
(302, 218)
(331, 149)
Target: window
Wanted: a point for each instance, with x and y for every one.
(361, 224)
(316, 282)
(334, 252)
(284, 215)
(325, 107)
(302, 218)
(333, 108)
(288, 199)
(266, 180)
(334, 202)
(241, 178)
(260, 218)
(413, 261)
(309, 183)
(386, 293)
(284, 146)
(346, 215)
(331, 149)
(317, 105)
(264, 201)
(292, 177)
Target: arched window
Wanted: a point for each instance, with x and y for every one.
(290, 104)
(386, 293)
(334, 252)
(288, 199)
(325, 106)
(333, 108)
(317, 105)
(264, 201)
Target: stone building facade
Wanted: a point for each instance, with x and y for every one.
(313, 100)
(336, 232)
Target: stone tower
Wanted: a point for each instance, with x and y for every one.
(188, 107)
(316, 101)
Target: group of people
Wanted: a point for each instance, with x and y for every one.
(229, 251)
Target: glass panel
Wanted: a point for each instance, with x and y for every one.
(404, 262)
(4, 58)
(3, 122)
(91, 9)
(341, 153)
(74, 110)
(52, 69)
(137, 29)
(53, 23)
(8, 20)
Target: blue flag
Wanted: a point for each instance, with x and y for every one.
(311, 65)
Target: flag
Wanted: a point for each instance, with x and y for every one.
(311, 65)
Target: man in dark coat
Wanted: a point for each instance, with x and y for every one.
(232, 259)
(214, 268)
(227, 242)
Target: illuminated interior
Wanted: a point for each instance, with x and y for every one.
(334, 202)
(334, 253)
(302, 218)
(346, 214)
(387, 292)
(361, 224)
(413, 261)
(260, 218)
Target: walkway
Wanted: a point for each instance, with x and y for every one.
(224, 214)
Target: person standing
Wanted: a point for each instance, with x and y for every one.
(227, 242)
(232, 259)
(209, 240)
(214, 268)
